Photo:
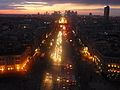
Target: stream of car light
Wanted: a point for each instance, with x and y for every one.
(60, 74)
(56, 55)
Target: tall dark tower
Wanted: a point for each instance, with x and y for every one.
(106, 12)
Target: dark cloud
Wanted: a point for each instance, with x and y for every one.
(11, 8)
(11, 1)
(4, 4)
(9, 4)
(112, 2)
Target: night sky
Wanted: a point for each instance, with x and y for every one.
(82, 6)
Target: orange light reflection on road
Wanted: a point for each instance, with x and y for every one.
(48, 81)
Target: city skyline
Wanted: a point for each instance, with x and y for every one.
(59, 45)
(33, 6)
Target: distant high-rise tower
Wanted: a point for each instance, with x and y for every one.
(107, 10)
(38, 13)
(90, 14)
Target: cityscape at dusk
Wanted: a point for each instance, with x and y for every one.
(59, 45)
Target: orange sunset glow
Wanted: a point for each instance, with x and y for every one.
(42, 7)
